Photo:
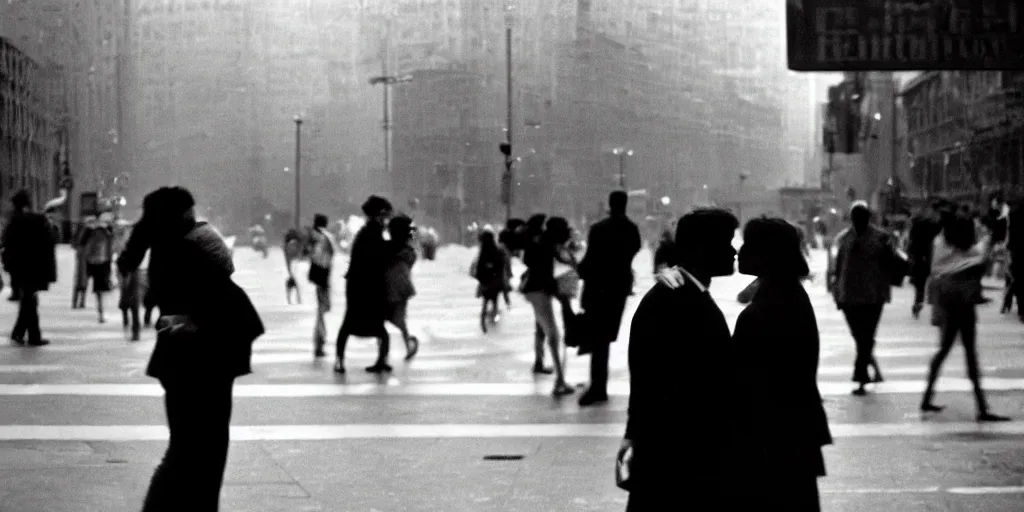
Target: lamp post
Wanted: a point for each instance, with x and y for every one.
(622, 153)
(298, 173)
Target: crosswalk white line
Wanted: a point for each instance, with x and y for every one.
(244, 433)
(396, 388)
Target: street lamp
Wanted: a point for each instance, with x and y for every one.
(665, 201)
(386, 81)
(622, 153)
(298, 172)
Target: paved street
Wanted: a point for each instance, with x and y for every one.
(81, 426)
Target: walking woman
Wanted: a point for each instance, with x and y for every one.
(776, 341)
(400, 288)
(365, 286)
(954, 291)
(204, 342)
(321, 263)
(98, 244)
(540, 288)
(567, 280)
(489, 272)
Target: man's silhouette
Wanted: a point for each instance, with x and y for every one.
(29, 257)
(607, 273)
(677, 339)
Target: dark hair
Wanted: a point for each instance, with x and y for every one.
(535, 225)
(21, 199)
(771, 247)
(558, 230)
(617, 201)
(376, 205)
(400, 228)
(958, 229)
(167, 204)
(319, 221)
(700, 225)
(860, 216)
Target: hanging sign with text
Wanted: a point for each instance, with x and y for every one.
(907, 35)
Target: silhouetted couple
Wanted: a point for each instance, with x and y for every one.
(683, 359)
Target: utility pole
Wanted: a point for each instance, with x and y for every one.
(506, 148)
(387, 81)
(298, 173)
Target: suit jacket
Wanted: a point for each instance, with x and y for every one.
(862, 267)
(29, 252)
(678, 341)
(607, 267)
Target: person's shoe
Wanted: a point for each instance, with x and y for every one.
(932, 408)
(38, 343)
(103, 320)
(860, 392)
(916, 310)
(413, 347)
(135, 335)
(379, 368)
(339, 368)
(562, 389)
(987, 417)
(541, 370)
(878, 377)
(319, 352)
(589, 398)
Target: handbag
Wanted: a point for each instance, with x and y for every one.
(319, 275)
(568, 284)
(574, 330)
(899, 266)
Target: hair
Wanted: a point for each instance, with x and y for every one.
(400, 228)
(167, 204)
(319, 221)
(772, 247)
(958, 229)
(860, 216)
(700, 225)
(21, 199)
(558, 230)
(535, 225)
(376, 205)
(617, 201)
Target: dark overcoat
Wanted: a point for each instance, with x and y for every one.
(366, 287)
(607, 274)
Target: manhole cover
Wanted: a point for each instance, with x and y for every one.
(117, 461)
(503, 457)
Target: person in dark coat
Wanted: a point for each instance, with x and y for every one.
(676, 322)
(30, 258)
(204, 342)
(776, 341)
(400, 288)
(1015, 246)
(365, 285)
(862, 286)
(607, 274)
(489, 272)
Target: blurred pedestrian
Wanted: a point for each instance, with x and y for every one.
(365, 286)
(539, 287)
(321, 263)
(608, 279)
(97, 244)
(400, 288)
(665, 253)
(924, 227)
(80, 284)
(776, 342)
(30, 258)
(489, 273)
(677, 322)
(960, 260)
(131, 286)
(862, 286)
(204, 342)
(292, 253)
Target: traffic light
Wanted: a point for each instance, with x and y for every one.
(506, 149)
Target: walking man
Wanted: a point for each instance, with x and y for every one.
(607, 274)
(30, 258)
(321, 262)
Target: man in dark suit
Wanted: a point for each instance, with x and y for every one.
(607, 274)
(29, 256)
(677, 338)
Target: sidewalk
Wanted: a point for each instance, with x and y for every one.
(450, 475)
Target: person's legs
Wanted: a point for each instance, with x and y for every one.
(320, 328)
(544, 313)
(858, 319)
(30, 308)
(383, 351)
(483, 314)
(135, 322)
(947, 336)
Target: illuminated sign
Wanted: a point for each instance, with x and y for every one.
(892, 35)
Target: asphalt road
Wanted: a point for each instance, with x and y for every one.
(81, 426)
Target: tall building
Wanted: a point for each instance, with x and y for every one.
(192, 69)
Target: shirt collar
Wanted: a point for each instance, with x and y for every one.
(700, 285)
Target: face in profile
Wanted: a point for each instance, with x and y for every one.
(721, 255)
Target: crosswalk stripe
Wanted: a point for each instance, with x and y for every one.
(244, 433)
(396, 388)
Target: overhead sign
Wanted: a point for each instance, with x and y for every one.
(905, 35)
